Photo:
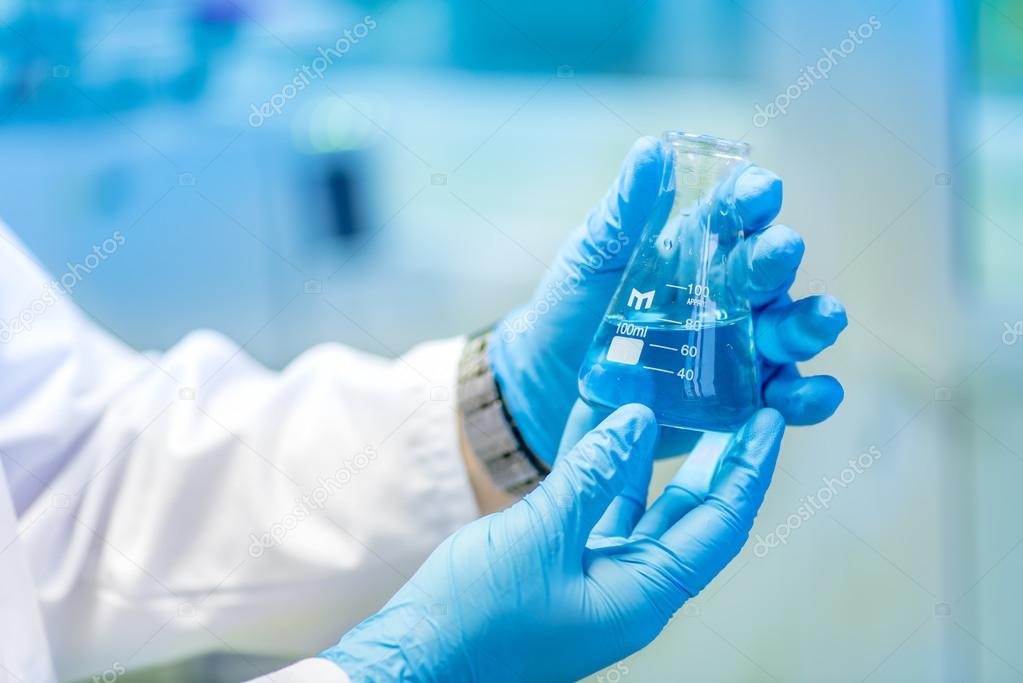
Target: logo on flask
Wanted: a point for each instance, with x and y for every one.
(641, 300)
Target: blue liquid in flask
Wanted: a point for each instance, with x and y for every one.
(702, 379)
(677, 336)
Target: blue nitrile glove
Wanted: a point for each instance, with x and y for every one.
(536, 351)
(537, 593)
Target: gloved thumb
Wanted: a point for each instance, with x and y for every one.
(587, 478)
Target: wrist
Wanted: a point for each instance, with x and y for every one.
(490, 429)
(366, 656)
(518, 368)
(403, 642)
(489, 496)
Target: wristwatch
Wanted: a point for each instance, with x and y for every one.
(489, 427)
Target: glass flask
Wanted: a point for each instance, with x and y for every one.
(678, 334)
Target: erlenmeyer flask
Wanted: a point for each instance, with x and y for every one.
(678, 335)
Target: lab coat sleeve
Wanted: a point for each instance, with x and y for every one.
(192, 501)
(313, 670)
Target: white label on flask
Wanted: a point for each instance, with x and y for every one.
(624, 350)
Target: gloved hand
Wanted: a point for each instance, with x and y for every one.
(536, 351)
(558, 585)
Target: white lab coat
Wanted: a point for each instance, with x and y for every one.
(163, 505)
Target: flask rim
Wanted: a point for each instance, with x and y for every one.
(707, 144)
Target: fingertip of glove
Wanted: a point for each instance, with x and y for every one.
(646, 147)
(767, 421)
(832, 316)
(775, 256)
(636, 409)
(807, 400)
(635, 422)
(646, 153)
(637, 187)
(780, 242)
(640, 416)
(758, 195)
(758, 440)
(768, 427)
(828, 393)
(831, 307)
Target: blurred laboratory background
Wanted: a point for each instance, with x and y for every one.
(379, 173)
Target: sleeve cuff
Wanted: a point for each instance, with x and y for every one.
(312, 670)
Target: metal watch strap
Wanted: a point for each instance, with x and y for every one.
(489, 427)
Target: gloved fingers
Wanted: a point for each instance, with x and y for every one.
(746, 469)
(774, 256)
(710, 535)
(583, 419)
(688, 488)
(758, 197)
(803, 400)
(800, 330)
(626, 509)
(672, 505)
(587, 478)
(604, 242)
(619, 519)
